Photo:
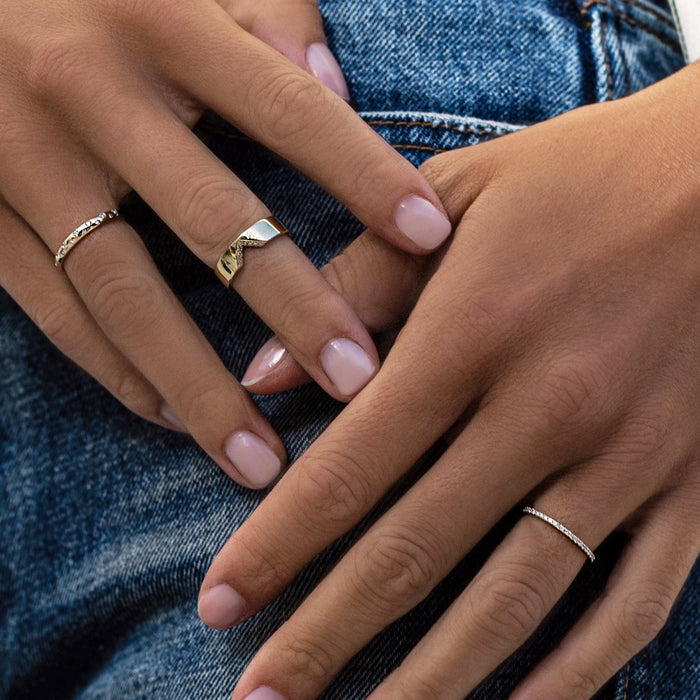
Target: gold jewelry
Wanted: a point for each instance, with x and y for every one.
(255, 236)
(76, 236)
(564, 531)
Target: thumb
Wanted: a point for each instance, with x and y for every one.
(380, 282)
(295, 29)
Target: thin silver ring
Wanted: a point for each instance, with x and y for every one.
(76, 236)
(564, 531)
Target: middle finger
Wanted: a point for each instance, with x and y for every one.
(208, 207)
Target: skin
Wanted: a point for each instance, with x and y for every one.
(567, 309)
(81, 127)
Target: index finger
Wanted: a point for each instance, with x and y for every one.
(278, 104)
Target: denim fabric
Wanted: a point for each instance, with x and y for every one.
(109, 523)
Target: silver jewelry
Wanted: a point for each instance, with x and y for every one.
(76, 236)
(564, 531)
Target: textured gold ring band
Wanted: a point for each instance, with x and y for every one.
(76, 236)
(255, 236)
(564, 531)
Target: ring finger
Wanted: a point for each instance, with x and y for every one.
(27, 273)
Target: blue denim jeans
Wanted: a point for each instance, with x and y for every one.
(109, 523)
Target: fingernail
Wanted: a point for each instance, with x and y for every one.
(347, 365)
(265, 360)
(419, 220)
(326, 70)
(264, 693)
(253, 458)
(168, 415)
(221, 607)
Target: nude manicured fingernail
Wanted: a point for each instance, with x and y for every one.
(253, 458)
(347, 365)
(265, 360)
(264, 693)
(167, 413)
(326, 70)
(419, 220)
(221, 607)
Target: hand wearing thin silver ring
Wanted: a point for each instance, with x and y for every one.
(555, 346)
(92, 112)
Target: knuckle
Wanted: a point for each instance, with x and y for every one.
(55, 321)
(435, 169)
(569, 394)
(128, 388)
(580, 683)
(445, 173)
(475, 330)
(144, 13)
(199, 402)
(53, 68)
(644, 614)
(421, 688)
(504, 603)
(287, 99)
(304, 302)
(343, 274)
(118, 296)
(332, 488)
(205, 209)
(302, 657)
(645, 436)
(397, 568)
(263, 573)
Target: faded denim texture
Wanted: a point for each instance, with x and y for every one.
(108, 523)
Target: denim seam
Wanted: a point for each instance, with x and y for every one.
(606, 56)
(653, 12)
(451, 127)
(627, 680)
(631, 21)
(216, 131)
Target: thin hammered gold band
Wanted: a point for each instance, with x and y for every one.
(564, 531)
(255, 236)
(76, 236)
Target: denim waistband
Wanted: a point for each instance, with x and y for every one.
(465, 58)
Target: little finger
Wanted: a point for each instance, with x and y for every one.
(28, 274)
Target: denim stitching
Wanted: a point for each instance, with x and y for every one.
(631, 21)
(450, 127)
(217, 131)
(652, 11)
(606, 55)
(627, 681)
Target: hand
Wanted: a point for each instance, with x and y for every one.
(96, 98)
(558, 337)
